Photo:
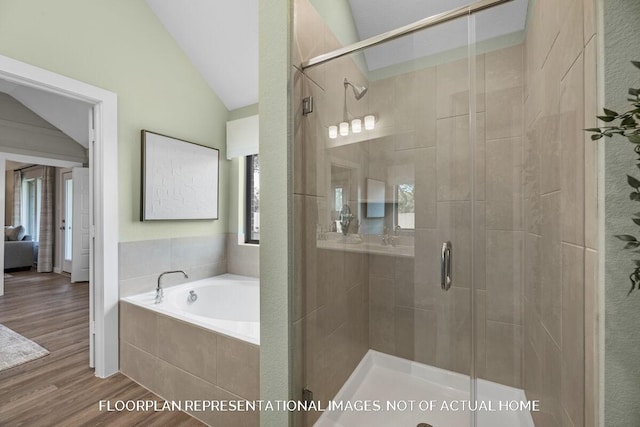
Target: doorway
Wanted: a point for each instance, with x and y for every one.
(103, 227)
(74, 252)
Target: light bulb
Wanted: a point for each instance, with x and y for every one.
(356, 125)
(344, 128)
(369, 122)
(333, 132)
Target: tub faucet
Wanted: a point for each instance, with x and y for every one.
(159, 292)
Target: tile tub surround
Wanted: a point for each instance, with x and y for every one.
(141, 262)
(242, 259)
(181, 361)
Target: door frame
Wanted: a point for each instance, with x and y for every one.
(104, 177)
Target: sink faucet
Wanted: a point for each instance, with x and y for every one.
(388, 239)
(159, 292)
(345, 219)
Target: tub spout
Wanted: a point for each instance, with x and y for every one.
(159, 291)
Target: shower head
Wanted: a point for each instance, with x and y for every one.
(358, 91)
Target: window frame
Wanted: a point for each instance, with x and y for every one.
(248, 191)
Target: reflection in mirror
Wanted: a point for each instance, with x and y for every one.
(404, 212)
(344, 195)
(375, 198)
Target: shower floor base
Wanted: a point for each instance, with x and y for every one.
(389, 391)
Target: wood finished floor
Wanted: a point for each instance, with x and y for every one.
(60, 389)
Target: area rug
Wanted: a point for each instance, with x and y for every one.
(16, 349)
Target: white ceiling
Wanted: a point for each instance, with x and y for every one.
(220, 38)
(68, 115)
(497, 21)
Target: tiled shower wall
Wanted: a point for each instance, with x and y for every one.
(560, 185)
(331, 317)
(410, 315)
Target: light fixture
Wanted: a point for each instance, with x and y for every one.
(356, 125)
(333, 132)
(369, 122)
(344, 128)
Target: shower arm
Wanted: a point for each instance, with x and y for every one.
(345, 112)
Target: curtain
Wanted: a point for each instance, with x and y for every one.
(17, 199)
(47, 209)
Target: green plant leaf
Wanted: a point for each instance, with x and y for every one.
(634, 91)
(596, 137)
(626, 238)
(636, 221)
(592, 130)
(634, 196)
(633, 182)
(629, 121)
(610, 112)
(636, 63)
(632, 245)
(634, 138)
(606, 118)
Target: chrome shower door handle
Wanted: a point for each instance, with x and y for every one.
(445, 266)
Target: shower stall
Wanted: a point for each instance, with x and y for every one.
(439, 216)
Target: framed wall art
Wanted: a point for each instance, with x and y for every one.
(179, 179)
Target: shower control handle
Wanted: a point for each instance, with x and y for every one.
(445, 266)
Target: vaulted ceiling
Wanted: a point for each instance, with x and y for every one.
(221, 37)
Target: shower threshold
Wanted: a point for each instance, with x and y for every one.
(386, 390)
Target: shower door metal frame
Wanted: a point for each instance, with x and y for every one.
(403, 31)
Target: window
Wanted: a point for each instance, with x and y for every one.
(31, 196)
(405, 206)
(252, 205)
(338, 201)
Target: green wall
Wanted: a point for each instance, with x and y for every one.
(275, 202)
(338, 17)
(622, 333)
(236, 182)
(120, 45)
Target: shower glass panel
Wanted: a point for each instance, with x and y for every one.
(410, 190)
(374, 204)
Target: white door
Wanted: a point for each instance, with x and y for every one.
(80, 226)
(67, 219)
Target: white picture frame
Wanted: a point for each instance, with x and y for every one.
(179, 179)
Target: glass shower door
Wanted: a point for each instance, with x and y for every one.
(390, 257)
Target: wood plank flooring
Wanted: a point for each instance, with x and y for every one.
(60, 389)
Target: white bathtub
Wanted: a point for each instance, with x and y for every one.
(228, 304)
